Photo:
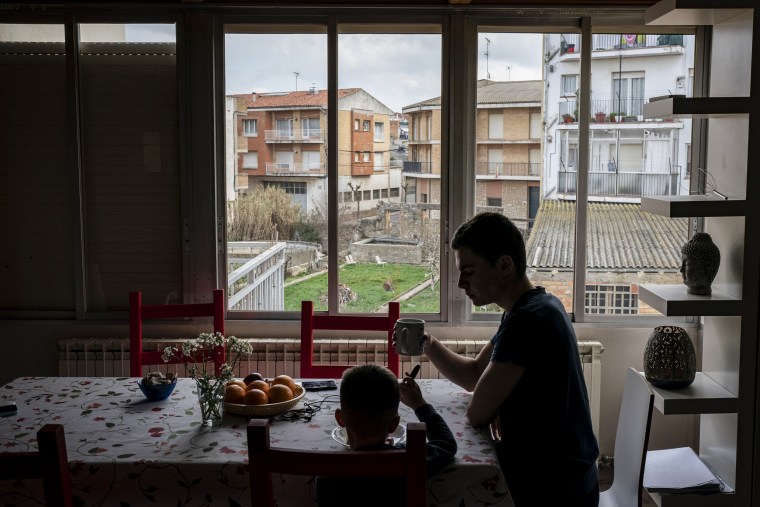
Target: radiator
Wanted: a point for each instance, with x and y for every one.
(105, 357)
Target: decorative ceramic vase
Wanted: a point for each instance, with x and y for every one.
(700, 259)
(211, 401)
(670, 361)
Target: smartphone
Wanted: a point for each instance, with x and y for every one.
(8, 408)
(319, 385)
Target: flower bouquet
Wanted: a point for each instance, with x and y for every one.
(199, 354)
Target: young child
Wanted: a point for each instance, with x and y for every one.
(369, 400)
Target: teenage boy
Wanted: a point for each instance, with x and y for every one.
(527, 380)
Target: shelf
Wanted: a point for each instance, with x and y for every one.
(695, 12)
(694, 500)
(703, 396)
(672, 300)
(697, 107)
(694, 206)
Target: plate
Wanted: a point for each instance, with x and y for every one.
(268, 409)
(398, 437)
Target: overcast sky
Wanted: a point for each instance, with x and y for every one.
(396, 69)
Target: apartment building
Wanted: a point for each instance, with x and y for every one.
(279, 139)
(508, 150)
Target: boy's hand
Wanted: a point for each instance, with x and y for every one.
(411, 396)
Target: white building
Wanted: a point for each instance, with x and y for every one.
(629, 157)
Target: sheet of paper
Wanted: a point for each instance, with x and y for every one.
(680, 469)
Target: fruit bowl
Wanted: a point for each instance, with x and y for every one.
(157, 392)
(268, 409)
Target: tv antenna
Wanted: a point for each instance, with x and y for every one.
(509, 73)
(488, 43)
(297, 74)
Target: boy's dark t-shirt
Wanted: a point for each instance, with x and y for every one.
(383, 492)
(548, 448)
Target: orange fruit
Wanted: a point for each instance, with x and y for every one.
(286, 381)
(256, 397)
(236, 383)
(279, 393)
(258, 384)
(234, 394)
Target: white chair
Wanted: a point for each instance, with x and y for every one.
(379, 261)
(631, 440)
(350, 259)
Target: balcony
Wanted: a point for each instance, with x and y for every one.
(571, 43)
(275, 169)
(418, 167)
(498, 169)
(292, 136)
(622, 184)
(625, 110)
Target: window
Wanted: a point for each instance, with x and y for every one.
(367, 195)
(251, 160)
(376, 193)
(310, 127)
(365, 125)
(365, 156)
(604, 299)
(493, 201)
(250, 127)
(384, 193)
(347, 196)
(379, 161)
(357, 156)
(394, 192)
(356, 124)
(569, 84)
(379, 131)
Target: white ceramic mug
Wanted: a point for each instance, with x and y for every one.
(410, 334)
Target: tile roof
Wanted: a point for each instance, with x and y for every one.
(304, 98)
(620, 236)
(499, 92)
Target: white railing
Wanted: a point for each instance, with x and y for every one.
(289, 169)
(301, 136)
(256, 281)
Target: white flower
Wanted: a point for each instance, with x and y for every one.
(198, 354)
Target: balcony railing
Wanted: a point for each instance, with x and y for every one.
(624, 109)
(295, 136)
(621, 184)
(418, 167)
(571, 43)
(509, 168)
(314, 169)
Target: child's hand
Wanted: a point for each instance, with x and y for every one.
(411, 396)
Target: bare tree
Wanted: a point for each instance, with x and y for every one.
(266, 214)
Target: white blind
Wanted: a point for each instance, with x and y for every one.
(36, 189)
(131, 174)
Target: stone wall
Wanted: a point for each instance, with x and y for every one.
(392, 253)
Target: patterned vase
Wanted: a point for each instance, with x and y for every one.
(670, 361)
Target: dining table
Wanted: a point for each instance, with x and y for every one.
(124, 450)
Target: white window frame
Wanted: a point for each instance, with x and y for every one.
(247, 130)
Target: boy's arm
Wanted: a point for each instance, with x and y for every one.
(441, 446)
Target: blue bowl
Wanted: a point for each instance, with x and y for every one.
(157, 392)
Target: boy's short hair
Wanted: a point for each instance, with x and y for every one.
(369, 397)
(491, 235)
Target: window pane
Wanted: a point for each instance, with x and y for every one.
(36, 183)
(508, 143)
(396, 259)
(276, 179)
(131, 164)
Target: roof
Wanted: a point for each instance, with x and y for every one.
(620, 236)
(298, 99)
(498, 92)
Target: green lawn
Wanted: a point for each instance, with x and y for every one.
(366, 280)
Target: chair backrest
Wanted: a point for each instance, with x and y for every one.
(50, 463)
(631, 441)
(374, 322)
(139, 312)
(379, 261)
(264, 460)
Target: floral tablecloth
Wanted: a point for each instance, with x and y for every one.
(126, 451)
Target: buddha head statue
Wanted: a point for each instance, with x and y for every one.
(700, 259)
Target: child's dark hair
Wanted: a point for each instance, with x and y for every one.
(369, 396)
(491, 235)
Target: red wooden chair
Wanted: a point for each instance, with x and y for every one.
(310, 322)
(139, 312)
(265, 460)
(50, 464)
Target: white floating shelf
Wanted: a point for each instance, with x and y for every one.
(703, 396)
(694, 206)
(673, 300)
(694, 500)
(694, 12)
(696, 107)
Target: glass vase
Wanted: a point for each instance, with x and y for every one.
(211, 401)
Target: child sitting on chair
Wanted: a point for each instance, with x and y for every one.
(369, 399)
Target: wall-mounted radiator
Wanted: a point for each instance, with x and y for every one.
(107, 357)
